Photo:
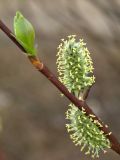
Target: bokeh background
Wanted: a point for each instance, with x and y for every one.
(31, 109)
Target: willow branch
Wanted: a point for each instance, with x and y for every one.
(115, 145)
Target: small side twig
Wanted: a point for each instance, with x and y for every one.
(115, 145)
(86, 93)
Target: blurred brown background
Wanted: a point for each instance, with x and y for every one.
(31, 109)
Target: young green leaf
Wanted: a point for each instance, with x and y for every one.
(24, 33)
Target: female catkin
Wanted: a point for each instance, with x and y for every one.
(75, 68)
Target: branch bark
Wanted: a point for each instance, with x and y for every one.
(115, 145)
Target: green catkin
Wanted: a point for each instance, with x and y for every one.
(85, 132)
(75, 65)
(75, 68)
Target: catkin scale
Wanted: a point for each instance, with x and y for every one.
(75, 68)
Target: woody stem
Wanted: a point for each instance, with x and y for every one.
(115, 145)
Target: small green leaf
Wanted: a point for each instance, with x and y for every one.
(25, 33)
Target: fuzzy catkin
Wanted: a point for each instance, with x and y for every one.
(75, 68)
(85, 133)
(75, 65)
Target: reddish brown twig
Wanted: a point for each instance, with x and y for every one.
(115, 145)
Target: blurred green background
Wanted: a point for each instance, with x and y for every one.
(31, 109)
